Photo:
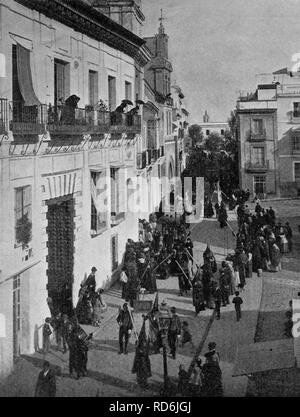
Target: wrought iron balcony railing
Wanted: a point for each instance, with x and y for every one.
(27, 120)
(3, 115)
(258, 136)
(125, 123)
(63, 120)
(251, 166)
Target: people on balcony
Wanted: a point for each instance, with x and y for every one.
(116, 115)
(68, 110)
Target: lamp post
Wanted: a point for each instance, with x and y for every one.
(164, 321)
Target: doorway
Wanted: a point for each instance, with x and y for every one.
(60, 258)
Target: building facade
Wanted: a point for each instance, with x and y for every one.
(268, 134)
(209, 127)
(66, 170)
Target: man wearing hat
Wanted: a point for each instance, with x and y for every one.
(173, 332)
(125, 322)
(91, 281)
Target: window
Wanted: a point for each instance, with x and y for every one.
(169, 123)
(112, 93)
(114, 175)
(258, 155)
(207, 132)
(22, 211)
(259, 185)
(258, 126)
(61, 81)
(296, 143)
(114, 252)
(98, 196)
(93, 88)
(296, 112)
(297, 171)
(151, 134)
(128, 91)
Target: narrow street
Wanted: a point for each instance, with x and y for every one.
(109, 374)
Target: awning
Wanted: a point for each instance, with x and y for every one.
(25, 77)
(265, 356)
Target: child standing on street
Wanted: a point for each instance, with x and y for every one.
(237, 301)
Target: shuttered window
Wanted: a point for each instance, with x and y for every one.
(112, 93)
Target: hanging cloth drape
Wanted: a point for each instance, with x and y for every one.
(25, 77)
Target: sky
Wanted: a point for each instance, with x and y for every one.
(217, 47)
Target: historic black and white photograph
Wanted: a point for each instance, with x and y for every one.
(149, 200)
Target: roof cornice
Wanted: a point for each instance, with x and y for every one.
(85, 19)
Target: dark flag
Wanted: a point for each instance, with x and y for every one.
(154, 338)
(155, 305)
(141, 364)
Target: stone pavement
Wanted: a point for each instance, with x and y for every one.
(109, 374)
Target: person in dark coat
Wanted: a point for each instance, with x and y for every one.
(46, 382)
(209, 257)
(125, 326)
(68, 109)
(237, 301)
(212, 375)
(90, 283)
(74, 354)
(189, 247)
(198, 296)
(217, 294)
(46, 335)
(133, 283)
(222, 216)
(210, 210)
(224, 283)
(173, 332)
(207, 276)
(183, 381)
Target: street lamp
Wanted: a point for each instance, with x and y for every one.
(164, 319)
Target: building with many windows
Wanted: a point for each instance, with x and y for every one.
(67, 160)
(269, 137)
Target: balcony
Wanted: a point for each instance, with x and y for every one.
(125, 123)
(141, 161)
(78, 121)
(117, 218)
(256, 166)
(152, 156)
(63, 121)
(27, 120)
(3, 116)
(258, 136)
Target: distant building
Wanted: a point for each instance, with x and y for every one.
(209, 127)
(269, 137)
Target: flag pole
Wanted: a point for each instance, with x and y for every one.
(184, 272)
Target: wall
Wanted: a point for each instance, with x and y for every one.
(270, 122)
(48, 40)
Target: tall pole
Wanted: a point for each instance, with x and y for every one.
(165, 364)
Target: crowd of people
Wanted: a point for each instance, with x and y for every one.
(165, 248)
(67, 330)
